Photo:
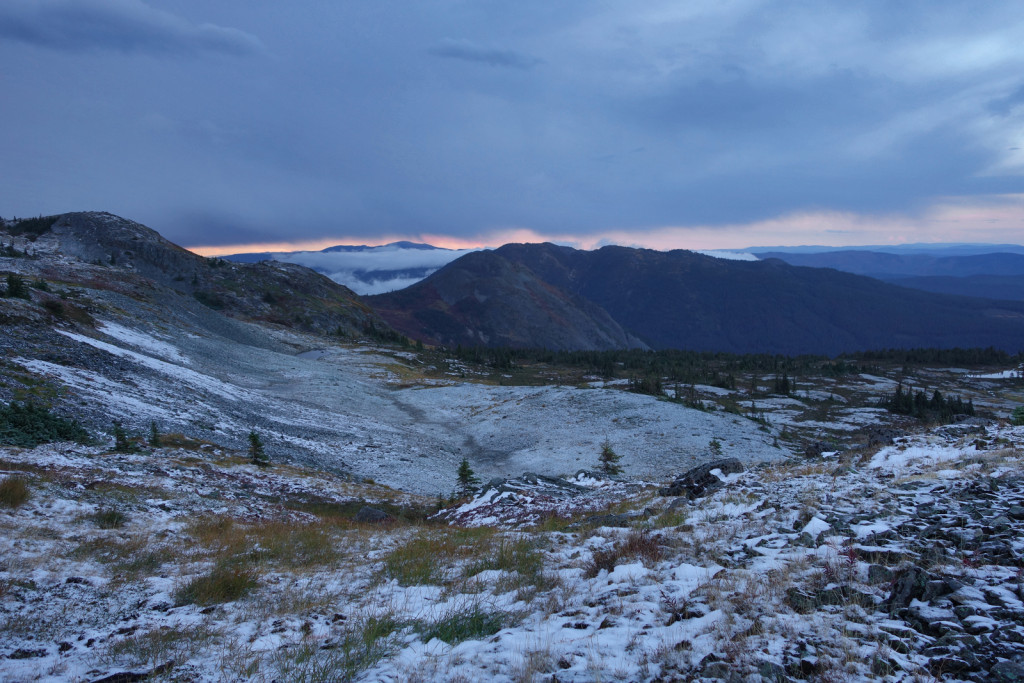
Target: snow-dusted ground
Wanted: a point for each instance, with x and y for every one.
(343, 409)
(900, 565)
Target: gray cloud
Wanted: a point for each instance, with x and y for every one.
(471, 52)
(120, 25)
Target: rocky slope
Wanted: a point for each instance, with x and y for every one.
(114, 253)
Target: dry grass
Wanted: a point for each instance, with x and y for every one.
(639, 544)
(14, 492)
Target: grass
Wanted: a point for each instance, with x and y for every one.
(360, 645)
(109, 518)
(159, 646)
(467, 622)
(639, 544)
(14, 492)
(219, 585)
(284, 543)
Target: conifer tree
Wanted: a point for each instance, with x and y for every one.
(154, 435)
(256, 453)
(467, 480)
(609, 459)
(121, 444)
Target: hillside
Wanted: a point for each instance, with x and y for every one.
(798, 534)
(684, 300)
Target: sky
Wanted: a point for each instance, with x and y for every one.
(252, 125)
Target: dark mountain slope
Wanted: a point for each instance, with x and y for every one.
(489, 300)
(680, 299)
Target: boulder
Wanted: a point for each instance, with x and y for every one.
(369, 515)
(700, 481)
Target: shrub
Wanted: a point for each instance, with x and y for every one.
(1017, 416)
(13, 492)
(221, 584)
(28, 425)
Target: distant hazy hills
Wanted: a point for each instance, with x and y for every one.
(559, 297)
(365, 269)
(990, 275)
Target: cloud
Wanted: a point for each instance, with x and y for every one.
(471, 52)
(129, 26)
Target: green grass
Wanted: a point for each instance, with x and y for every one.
(464, 623)
(363, 643)
(219, 585)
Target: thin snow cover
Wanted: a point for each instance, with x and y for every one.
(901, 456)
(375, 270)
(729, 255)
(142, 341)
(191, 377)
(1016, 373)
(735, 588)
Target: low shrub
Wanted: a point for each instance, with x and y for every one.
(28, 425)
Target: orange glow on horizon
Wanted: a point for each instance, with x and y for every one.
(998, 219)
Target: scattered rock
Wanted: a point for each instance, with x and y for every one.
(369, 515)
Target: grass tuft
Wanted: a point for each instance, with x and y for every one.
(638, 545)
(109, 518)
(13, 492)
(221, 584)
(464, 623)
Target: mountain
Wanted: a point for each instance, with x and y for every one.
(122, 254)
(928, 248)
(994, 275)
(486, 299)
(681, 299)
(365, 269)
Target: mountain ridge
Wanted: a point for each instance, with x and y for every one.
(682, 299)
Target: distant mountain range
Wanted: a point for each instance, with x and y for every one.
(365, 269)
(562, 298)
(993, 275)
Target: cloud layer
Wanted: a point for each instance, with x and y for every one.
(695, 124)
(121, 25)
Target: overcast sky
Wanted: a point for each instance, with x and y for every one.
(670, 124)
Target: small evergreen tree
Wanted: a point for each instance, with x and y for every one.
(154, 435)
(16, 287)
(467, 480)
(256, 453)
(715, 446)
(121, 443)
(609, 459)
